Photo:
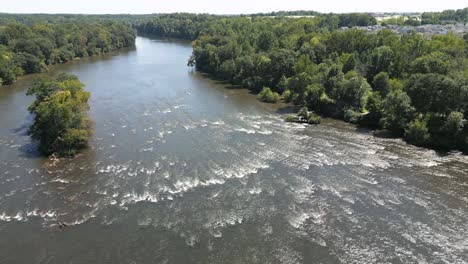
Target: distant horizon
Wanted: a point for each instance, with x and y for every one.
(240, 7)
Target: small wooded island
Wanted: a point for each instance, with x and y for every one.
(61, 124)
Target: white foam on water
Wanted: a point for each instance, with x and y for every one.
(61, 181)
(187, 127)
(217, 234)
(217, 123)
(178, 106)
(245, 130)
(265, 132)
(150, 149)
(190, 184)
(255, 190)
(4, 217)
(297, 219)
(114, 169)
(133, 197)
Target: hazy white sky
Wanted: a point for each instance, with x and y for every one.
(223, 7)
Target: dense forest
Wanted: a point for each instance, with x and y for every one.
(191, 26)
(413, 85)
(181, 25)
(61, 123)
(30, 47)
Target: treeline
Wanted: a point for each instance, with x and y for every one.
(403, 21)
(26, 49)
(413, 85)
(61, 123)
(191, 26)
(289, 13)
(178, 25)
(447, 16)
(32, 19)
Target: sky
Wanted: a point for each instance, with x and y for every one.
(223, 7)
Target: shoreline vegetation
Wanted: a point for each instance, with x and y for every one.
(304, 116)
(27, 48)
(61, 124)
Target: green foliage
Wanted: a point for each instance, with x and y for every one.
(8, 68)
(266, 95)
(460, 15)
(382, 80)
(448, 131)
(352, 116)
(291, 118)
(454, 124)
(435, 62)
(395, 85)
(350, 63)
(381, 83)
(60, 121)
(287, 95)
(436, 93)
(314, 95)
(352, 92)
(417, 133)
(30, 48)
(303, 113)
(374, 110)
(314, 119)
(304, 116)
(266, 41)
(381, 60)
(29, 63)
(397, 111)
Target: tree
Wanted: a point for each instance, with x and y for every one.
(381, 83)
(417, 133)
(266, 95)
(449, 131)
(266, 41)
(282, 63)
(313, 96)
(431, 63)
(8, 68)
(380, 60)
(60, 121)
(352, 91)
(374, 110)
(227, 70)
(435, 93)
(454, 124)
(333, 78)
(350, 63)
(397, 111)
(29, 63)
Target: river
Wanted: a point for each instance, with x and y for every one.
(183, 169)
